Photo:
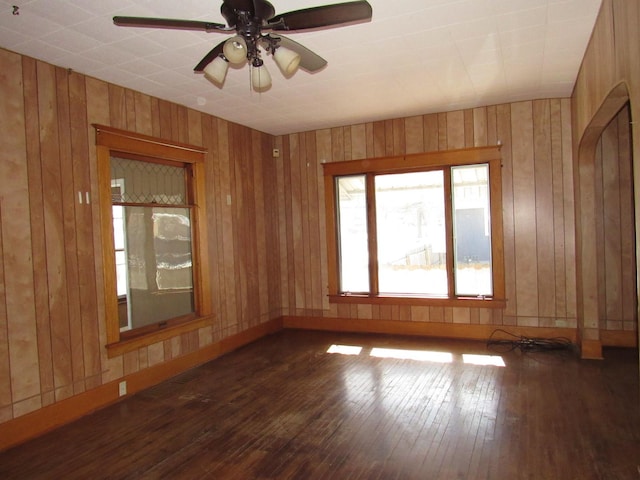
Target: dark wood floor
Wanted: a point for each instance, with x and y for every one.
(285, 408)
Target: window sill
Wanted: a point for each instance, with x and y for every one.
(130, 344)
(414, 300)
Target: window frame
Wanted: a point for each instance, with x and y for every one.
(111, 141)
(415, 163)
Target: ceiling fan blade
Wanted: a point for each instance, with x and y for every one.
(309, 61)
(210, 57)
(169, 23)
(324, 16)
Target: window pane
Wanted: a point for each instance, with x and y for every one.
(146, 182)
(159, 269)
(411, 233)
(472, 230)
(121, 273)
(353, 238)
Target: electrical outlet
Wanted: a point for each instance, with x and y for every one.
(122, 388)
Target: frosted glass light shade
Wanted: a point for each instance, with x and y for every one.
(235, 49)
(216, 71)
(260, 78)
(287, 60)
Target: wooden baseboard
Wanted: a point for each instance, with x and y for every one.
(591, 349)
(619, 338)
(426, 329)
(33, 424)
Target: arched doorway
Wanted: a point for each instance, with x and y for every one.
(593, 291)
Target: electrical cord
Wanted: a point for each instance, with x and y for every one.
(527, 344)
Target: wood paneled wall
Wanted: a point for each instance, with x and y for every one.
(538, 209)
(609, 76)
(52, 332)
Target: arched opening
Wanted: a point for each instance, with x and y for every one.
(606, 263)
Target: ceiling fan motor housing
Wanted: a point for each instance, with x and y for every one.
(248, 19)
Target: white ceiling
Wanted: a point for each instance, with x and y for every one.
(414, 57)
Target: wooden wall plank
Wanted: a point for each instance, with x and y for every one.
(5, 367)
(323, 149)
(296, 221)
(524, 200)
(166, 120)
(398, 135)
(414, 134)
(130, 109)
(545, 240)
(368, 137)
(315, 203)
(117, 107)
(443, 144)
(569, 210)
(358, 141)
(480, 127)
(305, 207)
(54, 230)
(36, 204)
(627, 232)
(97, 112)
(70, 244)
(290, 234)
(214, 208)
(246, 266)
(379, 139)
(503, 132)
(431, 132)
(455, 130)
(227, 191)
(560, 260)
(221, 193)
(491, 127)
(269, 182)
(142, 104)
(16, 238)
(84, 230)
(468, 134)
(258, 157)
(611, 223)
(599, 232)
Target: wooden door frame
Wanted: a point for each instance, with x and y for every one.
(586, 249)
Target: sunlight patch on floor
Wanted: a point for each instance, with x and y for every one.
(419, 355)
(494, 360)
(345, 349)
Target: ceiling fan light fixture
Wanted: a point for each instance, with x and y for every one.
(260, 78)
(216, 71)
(287, 60)
(235, 49)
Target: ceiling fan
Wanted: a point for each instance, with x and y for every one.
(249, 20)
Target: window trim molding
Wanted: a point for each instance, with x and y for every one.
(412, 163)
(112, 140)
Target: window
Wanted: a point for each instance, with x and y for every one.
(152, 209)
(421, 228)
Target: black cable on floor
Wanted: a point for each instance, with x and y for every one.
(526, 344)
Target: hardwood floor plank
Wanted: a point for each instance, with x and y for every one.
(285, 408)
